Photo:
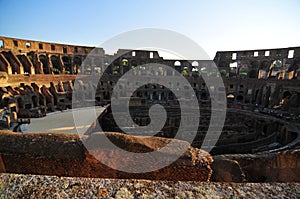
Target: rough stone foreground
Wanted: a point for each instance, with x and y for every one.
(65, 155)
(38, 186)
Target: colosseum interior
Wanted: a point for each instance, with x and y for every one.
(259, 141)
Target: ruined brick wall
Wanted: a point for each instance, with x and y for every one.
(23, 45)
(48, 58)
(260, 63)
(19, 56)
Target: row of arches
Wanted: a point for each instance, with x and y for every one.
(58, 65)
(264, 68)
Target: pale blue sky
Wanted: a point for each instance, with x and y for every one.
(214, 25)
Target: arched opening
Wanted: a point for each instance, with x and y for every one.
(155, 95)
(116, 70)
(56, 67)
(162, 96)
(177, 63)
(195, 72)
(254, 64)
(20, 103)
(252, 74)
(239, 99)
(195, 64)
(286, 95)
(264, 65)
(177, 66)
(243, 72)
(185, 71)
(106, 95)
(233, 68)
(34, 101)
(67, 64)
(230, 98)
(44, 61)
(77, 63)
(223, 72)
(24, 62)
(133, 63)
(275, 68)
(3, 65)
(223, 64)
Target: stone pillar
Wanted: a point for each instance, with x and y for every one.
(32, 71)
(9, 70)
(61, 63)
(21, 69)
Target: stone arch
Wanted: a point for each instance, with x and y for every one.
(252, 74)
(230, 98)
(155, 95)
(77, 61)
(195, 64)
(223, 64)
(44, 60)
(76, 64)
(162, 96)
(177, 63)
(243, 71)
(276, 64)
(24, 62)
(67, 64)
(286, 95)
(254, 64)
(20, 102)
(3, 65)
(275, 67)
(56, 67)
(133, 63)
(34, 99)
(264, 65)
(240, 99)
(177, 66)
(233, 66)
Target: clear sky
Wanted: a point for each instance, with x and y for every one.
(214, 25)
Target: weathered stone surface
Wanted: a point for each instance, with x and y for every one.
(226, 170)
(194, 164)
(37, 186)
(65, 155)
(51, 154)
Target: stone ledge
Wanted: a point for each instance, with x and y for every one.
(65, 155)
(39, 186)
